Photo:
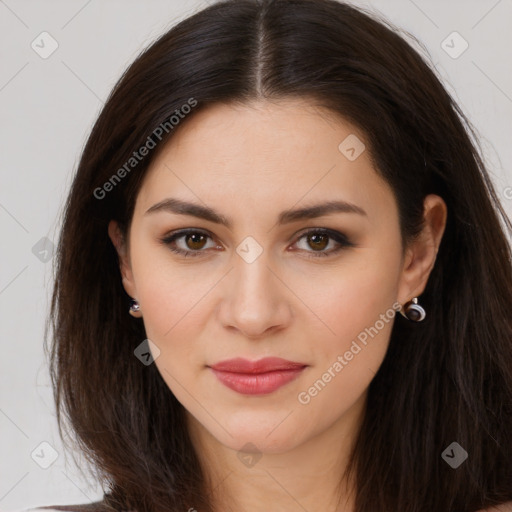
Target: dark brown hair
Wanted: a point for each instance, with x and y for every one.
(446, 379)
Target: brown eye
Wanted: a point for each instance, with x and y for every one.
(318, 241)
(188, 242)
(191, 242)
(195, 241)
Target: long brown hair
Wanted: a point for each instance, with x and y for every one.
(447, 379)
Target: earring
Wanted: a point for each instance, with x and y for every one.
(413, 311)
(135, 308)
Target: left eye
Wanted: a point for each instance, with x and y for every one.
(318, 239)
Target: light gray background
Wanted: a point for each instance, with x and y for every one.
(47, 109)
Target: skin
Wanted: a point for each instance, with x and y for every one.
(249, 163)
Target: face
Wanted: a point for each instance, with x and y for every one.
(318, 290)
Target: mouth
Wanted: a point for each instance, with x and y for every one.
(256, 377)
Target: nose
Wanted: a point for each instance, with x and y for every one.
(255, 299)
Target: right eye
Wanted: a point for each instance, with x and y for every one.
(192, 242)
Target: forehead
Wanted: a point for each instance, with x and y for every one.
(264, 153)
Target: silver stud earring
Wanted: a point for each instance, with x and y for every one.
(413, 311)
(135, 308)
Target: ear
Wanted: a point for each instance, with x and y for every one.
(114, 232)
(420, 255)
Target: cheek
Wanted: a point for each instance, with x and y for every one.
(360, 313)
(173, 321)
(354, 298)
(358, 308)
(168, 293)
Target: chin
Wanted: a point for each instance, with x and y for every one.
(258, 440)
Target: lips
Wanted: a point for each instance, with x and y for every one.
(267, 364)
(256, 377)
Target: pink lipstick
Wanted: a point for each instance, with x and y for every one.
(256, 377)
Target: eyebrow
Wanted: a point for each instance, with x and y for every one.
(180, 207)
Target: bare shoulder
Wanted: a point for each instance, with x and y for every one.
(82, 507)
(96, 506)
(504, 507)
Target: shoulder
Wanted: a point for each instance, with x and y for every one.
(53, 508)
(97, 506)
(101, 505)
(504, 507)
(49, 509)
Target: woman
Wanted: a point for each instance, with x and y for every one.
(266, 187)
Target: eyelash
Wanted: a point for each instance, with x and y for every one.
(340, 238)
